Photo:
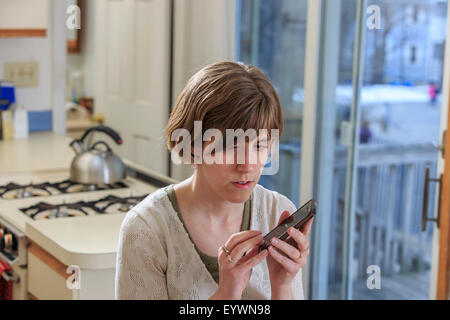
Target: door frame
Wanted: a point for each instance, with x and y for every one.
(443, 263)
(440, 277)
(310, 109)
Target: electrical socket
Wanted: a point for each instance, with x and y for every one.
(22, 74)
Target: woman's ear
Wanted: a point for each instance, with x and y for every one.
(194, 153)
(195, 157)
(197, 152)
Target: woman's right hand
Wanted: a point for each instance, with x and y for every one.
(234, 275)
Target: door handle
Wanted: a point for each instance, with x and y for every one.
(425, 217)
(10, 277)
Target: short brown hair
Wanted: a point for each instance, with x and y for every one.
(226, 95)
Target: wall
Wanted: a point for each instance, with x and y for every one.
(48, 51)
(30, 49)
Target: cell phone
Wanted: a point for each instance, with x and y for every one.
(296, 220)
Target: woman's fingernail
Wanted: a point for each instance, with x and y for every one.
(274, 240)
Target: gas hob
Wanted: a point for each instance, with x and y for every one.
(31, 196)
(105, 205)
(14, 190)
(50, 195)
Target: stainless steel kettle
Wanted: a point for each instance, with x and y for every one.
(93, 165)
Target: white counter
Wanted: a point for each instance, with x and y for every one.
(88, 242)
(40, 151)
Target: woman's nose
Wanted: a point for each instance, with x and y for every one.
(247, 159)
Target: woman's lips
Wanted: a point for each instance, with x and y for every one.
(242, 186)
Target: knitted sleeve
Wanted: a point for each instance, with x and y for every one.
(141, 260)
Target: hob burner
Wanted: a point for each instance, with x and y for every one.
(106, 205)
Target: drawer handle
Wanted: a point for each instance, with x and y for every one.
(10, 277)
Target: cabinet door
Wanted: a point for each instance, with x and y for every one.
(44, 282)
(135, 56)
(23, 18)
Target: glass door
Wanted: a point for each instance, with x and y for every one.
(360, 83)
(400, 127)
(377, 127)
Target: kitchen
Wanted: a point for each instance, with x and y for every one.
(98, 79)
(37, 154)
(40, 260)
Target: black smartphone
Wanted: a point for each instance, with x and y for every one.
(296, 220)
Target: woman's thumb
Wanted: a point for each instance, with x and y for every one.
(283, 216)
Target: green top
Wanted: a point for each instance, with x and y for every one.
(210, 262)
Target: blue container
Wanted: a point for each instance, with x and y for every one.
(7, 95)
(40, 120)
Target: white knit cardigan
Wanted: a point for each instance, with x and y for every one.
(157, 260)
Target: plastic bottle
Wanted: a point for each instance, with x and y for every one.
(20, 123)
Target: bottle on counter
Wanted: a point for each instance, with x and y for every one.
(1, 125)
(20, 123)
(7, 125)
(7, 98)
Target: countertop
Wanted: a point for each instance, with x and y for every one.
(87, 242)
(40, 151)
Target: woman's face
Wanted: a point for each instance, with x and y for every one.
(245, 163)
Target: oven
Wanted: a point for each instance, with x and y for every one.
(13, 261)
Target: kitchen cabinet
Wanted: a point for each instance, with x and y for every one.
(134, 72)
(23, 18)
(46, 276)
(49, 279)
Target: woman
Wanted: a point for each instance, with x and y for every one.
(199, 239)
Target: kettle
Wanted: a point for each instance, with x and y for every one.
(93, 165)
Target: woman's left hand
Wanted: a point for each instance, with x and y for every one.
(286, 258)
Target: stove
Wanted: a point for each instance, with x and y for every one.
(50, 195)
(44, 210)
(105, 205)
(44, 195)
(14, 190)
